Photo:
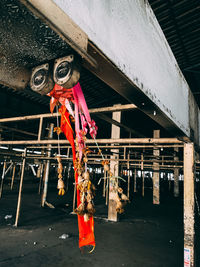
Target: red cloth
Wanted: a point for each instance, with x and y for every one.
(86, 229)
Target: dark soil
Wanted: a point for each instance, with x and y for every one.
(145, 236)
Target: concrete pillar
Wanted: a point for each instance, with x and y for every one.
(156, 174)
(114, 168)
(176, 175)
(189, 179)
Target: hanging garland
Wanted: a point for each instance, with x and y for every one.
(83, 123)
(84, 187)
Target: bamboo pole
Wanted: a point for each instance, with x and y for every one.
(2, 178)
(20, 189)
(13, 177)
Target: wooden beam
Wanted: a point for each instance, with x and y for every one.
(113, 108)
(99, 141)
(156, 174)
(189, 178)
(49, 115)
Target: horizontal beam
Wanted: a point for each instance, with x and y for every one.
(114, 108)
(49, 115)
(99, 141)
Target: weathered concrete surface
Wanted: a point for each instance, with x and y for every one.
(128, 33)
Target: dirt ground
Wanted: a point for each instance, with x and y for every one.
(145, 236)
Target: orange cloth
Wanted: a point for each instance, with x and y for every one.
(86, 229)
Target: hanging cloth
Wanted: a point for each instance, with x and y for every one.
(86, 229)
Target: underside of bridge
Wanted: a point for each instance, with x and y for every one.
(139, 73)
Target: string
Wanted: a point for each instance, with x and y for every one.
(58, 133)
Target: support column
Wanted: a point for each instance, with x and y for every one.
(128, 167)
(13, 176)
(176, 174)
(20, 189)
(156, 174)
(2, 178)
(114, 168)
(135, 181)
(46, 170)
(189, 179)
(142, 173)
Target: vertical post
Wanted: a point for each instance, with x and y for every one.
(114, 168)
(74, 198)
(156, 174)
(20, 189)
(142, 173)
(13, 176)
(40, 129)
(128, 167)
(104, 183)
(2, 178)
(107, 191)
(46, 172)
(176, 174)
(41, 174)
(169, 179)
(135, 181)
(189, 179)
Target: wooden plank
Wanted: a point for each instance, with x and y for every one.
(189, 178)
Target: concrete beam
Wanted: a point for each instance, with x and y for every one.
(123, 32)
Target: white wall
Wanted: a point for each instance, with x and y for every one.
(128, 33)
